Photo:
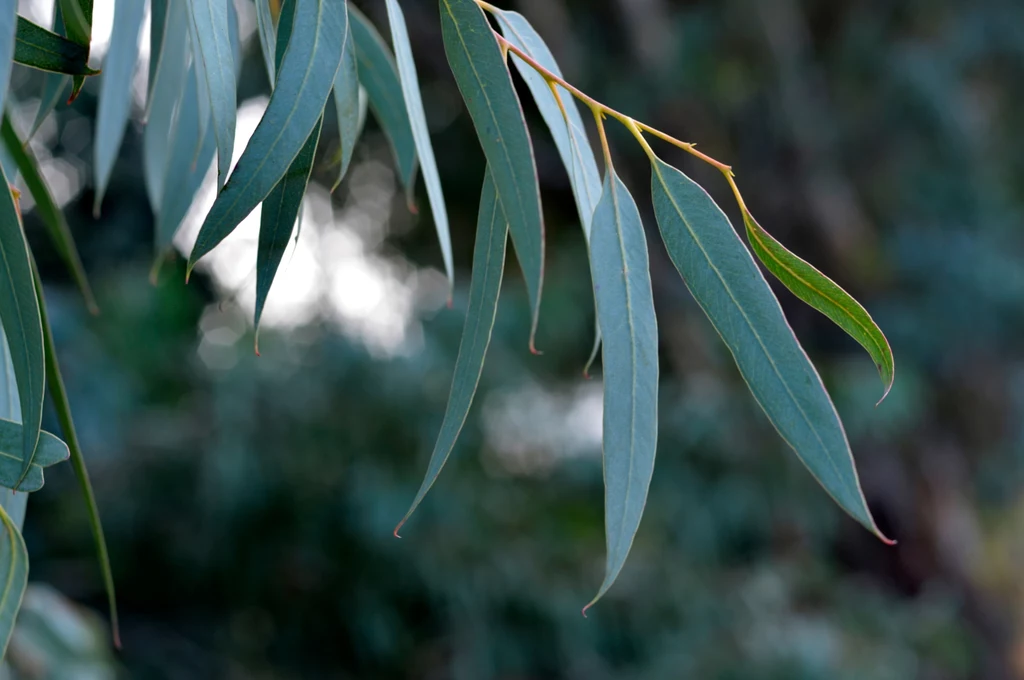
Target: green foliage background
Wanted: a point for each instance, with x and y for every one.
(249, 505)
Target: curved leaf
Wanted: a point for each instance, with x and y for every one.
(39, 48)
(484, 287)
(420, 133)
(13, 576)
(268, 38)
(349, 104)
(378, 74)
(158, 10)
(116, 91)
(486, 85)
(215, 66)
(625, 311)
(730, 289)
(78, 27)
(19, 313)
(50, 451)
(47, 209)
(820, 292)
(8, 26)
(304, 82)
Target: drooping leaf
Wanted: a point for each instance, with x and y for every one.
(729, 287)
(19, 313)
(39, 48)
(116, 91)
(820, 292)
(167, 88)
(59, 395)
(157, 26)
(13, 576)
(625, 311)
(486, 85)
(304, 83)
(351, 115)
(77, 16)
(50, 451)
(378, 74)
(268, 39)
(8, 26)
(215, 66)
(54, 84)
(484, 286)
(420, 132)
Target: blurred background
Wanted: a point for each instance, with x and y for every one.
(249, 502)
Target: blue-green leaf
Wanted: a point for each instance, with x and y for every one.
(157, 25)
(8, 26)
(304, 83)
(729, 287)
(54, 84)
(46, 207)
(378, 74)
(268, 39)
(39, 48)
(479, 67)
(166, 88)
(116, 91)
(215, 64)
(625, 311)
(19, 313)
(420, 132)
(77, 16)
(50, 451)
(484, 286)
(347, 104)
(13, 576)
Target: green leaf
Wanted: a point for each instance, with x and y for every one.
(116, 91)
(729, 287)
(304, 83)
(488, 268)
(378, 74)
(214, 59)
(350, 108)
(420, 132)
(19, 313)
(265, 29)
(157, 25)
(486, 85)
(8, 26)
(78, 24)
(42, 49)
(625, 311)
(13, 577)
(820, 292)
(277, 221)
(166, 88)
(54, 84)
(59, 395)
(46, 207)
(50, 451)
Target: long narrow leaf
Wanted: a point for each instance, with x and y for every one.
(39, 48)
(13, 577)
(420, 132)
(78, 23)
(215, 63)
(486, 85)
(625, 311)
(820, 292)
(484, 286)
(116, 91)
(50, 451)
(54, 84)
(19, 313)
(46, 207)
(378, 74)
(350, 108)
(8, 27)
(267, 33)
(730, 289)
(59, 395)
(304, 84)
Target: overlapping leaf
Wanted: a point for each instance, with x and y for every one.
(8, 27)
(46, 207)
(488, 269)
(378, 74)
(625, 311)
(730, 289)
(304, 83)
(477, 62)
(214, 60)
(820, 292)
(50, 451)
(39, 48)
(268, 39)
(54, 84)
(350, 108)
(420, 132)
(77, 16)
(19, 313)
(13, 576)
(116, 91)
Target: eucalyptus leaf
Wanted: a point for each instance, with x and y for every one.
(116, 91)
(39, 48)
(729, 287)
(13, 577)
(54, 84)
(625, 311)
(77, 16)
(50, 451)
(378, 74)
(479, 67)
(351, 110)
(484, 287)
(211, 39)
(268, 39)
(304, 83)
(8, 27)
(420, 132)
